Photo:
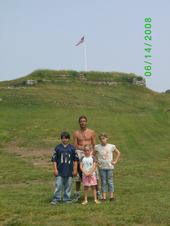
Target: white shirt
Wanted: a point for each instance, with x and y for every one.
(104, 155)
(87, 163)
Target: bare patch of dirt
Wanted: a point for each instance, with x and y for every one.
(38, 157)
(26, 184)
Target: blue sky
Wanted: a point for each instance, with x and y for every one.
(41, 34)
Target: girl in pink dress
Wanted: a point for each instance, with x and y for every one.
(88, 166)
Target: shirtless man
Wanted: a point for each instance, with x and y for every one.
(82, 137)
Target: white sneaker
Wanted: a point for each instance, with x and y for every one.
(77, 195)
(97, 201)
(84, 202)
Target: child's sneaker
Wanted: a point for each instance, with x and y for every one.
(112, 199)
(97, 201)
(84, 202)
(69, 201)
(99, 196)
(77, 195)
(54, 202)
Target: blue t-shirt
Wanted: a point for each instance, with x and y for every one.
(64, 157)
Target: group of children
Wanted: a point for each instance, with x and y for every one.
(100, 158)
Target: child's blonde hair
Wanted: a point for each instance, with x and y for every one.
(88, 146)
(103, 135)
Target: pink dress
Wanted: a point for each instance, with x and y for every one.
(89, 180)
(87, 163)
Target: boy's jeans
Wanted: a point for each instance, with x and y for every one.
(106, 176)
(63, 182)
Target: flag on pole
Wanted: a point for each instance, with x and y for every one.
(81, 41)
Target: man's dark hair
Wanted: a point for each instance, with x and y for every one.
(82, 116)
(65, 134)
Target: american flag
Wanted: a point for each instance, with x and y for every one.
(81, 41)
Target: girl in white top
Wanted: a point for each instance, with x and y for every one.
(88, 166)
(106, 162)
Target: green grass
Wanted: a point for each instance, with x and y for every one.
(142, 196)
(136, 119)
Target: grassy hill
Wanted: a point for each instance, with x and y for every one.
(136, 119)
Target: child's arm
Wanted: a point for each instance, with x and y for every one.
(92, 169)
(82, 169)
(117, 156)
(55, 169)
(54, 160)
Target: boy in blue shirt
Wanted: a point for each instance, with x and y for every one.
(65, 160)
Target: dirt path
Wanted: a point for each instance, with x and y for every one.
(38, 157)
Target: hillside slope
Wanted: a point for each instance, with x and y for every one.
(130, 114)
(136, 119)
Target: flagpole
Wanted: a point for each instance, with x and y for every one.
(85, 56)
